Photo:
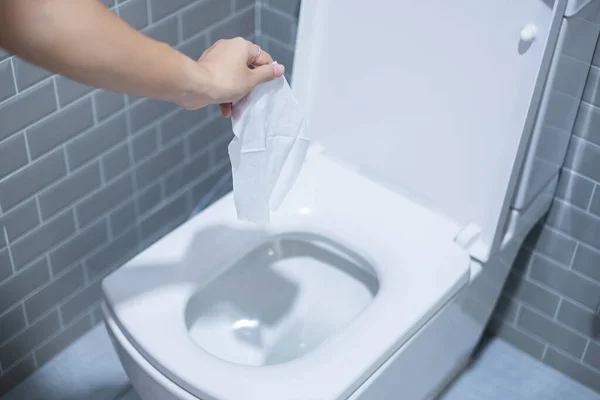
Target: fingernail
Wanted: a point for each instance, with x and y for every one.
(279, 69)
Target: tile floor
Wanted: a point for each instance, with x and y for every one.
(90, 370)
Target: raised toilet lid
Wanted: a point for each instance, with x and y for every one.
(435, 98)
(418, 266)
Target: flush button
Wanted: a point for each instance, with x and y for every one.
(528, 33)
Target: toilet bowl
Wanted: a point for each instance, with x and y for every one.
(379, 272)
(285, 305)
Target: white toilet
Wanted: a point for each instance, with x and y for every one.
(380, 271)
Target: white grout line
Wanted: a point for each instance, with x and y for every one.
(546, 346)
(55, 84)
(572, 260)
(589, 205)
(587, 345)
(94, 110)
(14, 75)
(9, 250)
(558, 307)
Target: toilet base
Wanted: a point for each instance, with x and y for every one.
(441, 389)
(147, 381)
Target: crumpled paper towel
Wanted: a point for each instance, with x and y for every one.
(268, 149)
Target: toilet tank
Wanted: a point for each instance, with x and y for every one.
(563, 92)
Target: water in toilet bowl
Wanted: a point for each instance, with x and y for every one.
(269, 307)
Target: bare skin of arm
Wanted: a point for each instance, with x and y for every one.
(83, 40)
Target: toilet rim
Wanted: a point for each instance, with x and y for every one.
(415, 282)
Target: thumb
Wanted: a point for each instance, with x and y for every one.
(266, 73)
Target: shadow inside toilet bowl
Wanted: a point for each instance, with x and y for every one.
(209, 249)
(241, 283)
(253, 288)
(280, 300)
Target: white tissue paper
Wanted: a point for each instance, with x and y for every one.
(268, 149)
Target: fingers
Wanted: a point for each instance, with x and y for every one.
(226, 109)
(266, 73)
(257, 56)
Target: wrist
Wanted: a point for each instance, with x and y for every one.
(193, 85)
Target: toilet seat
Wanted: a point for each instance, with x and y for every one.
(148, 295)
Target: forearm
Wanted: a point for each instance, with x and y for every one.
(85, 41)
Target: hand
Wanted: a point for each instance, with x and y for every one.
(229, 76)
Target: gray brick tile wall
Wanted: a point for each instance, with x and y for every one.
(42, 239)
(69, 190)
(71, 252)
(97, 141)
(135, 13)
(203, 14)
(23, 283)
(552, 244)
(7, 83)
(582, 320)
(520, 339)
(592, 355)
(570, 285)
(5, 269)
(80, 303)
(28, 107)
(161, 9)
(586, 262)
(181, 122)
(145, 143)
(104, 200)
(27, 74)
(173, 213)
(71, 333)
(537, 297)
(116, 161)
(166, 31)
(13, 154)
(122, 218)
(107, 103)
(90, 177)
(17, 373)
(69, 91)
(34, 335)
(59, 128)
(149, 198)
(60, 288)
(241, 24)
(575, 189)
(32, 179)
(12, 322)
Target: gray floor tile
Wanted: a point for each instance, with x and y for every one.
(131, 395)
(90, 370)
(501, 372)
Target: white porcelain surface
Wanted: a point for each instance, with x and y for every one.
(409, 248)
(444, 111)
